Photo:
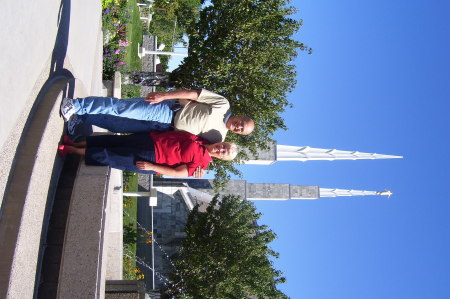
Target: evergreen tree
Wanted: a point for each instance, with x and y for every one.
(226, 254)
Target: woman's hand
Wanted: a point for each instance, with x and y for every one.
(179, 171)
(142, 165)
(199, 172)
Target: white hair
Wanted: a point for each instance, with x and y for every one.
(232, 152)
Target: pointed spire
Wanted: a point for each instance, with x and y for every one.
(306, 153)
(327, 192)
(387, 193)
(201, 190)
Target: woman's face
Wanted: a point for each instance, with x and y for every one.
(220, 150)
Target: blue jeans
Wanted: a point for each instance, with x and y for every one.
(117, 124)
(120, 151)
(125, 116)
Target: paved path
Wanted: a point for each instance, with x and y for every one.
(45, 45)
(41, 40)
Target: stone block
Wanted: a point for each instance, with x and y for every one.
(108, 87)
(92, 171)
(304, 192)
(117, 85)
(114, 214)
(268, 191)
(83, 263)
(263, 157)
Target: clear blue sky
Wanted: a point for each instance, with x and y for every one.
(378, 81)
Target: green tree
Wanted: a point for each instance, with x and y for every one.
(226, 254)
(244, 50)
(186, 11)
(173, 16)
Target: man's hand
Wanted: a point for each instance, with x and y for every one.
(198, 172)
(142, 165)
(155, 97)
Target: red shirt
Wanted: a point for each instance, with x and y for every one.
(175, 148)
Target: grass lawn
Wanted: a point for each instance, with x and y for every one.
(134, 36)
(129, 222)
(131, 91)
(133, 63)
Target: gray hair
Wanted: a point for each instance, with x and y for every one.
(233, 151)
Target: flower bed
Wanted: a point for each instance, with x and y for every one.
(114, 18)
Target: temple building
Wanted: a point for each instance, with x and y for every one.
(174, 198)
(170, 200)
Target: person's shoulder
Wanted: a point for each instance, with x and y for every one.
(200, 140)
(212, 97)
(183, 135)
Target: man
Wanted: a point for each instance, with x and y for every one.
(203, 113)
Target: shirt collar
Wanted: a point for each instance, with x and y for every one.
(227, 116)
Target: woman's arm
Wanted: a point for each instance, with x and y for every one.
(180, 171)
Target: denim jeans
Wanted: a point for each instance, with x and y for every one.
(125, 116)
(120, 151)
(135, 108)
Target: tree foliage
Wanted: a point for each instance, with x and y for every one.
(186, 11)
(226, 254)
(244, 50)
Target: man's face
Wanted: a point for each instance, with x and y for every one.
(240, 125)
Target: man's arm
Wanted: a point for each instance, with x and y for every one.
(157, 97)
(180, 171)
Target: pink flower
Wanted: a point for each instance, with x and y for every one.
(117, 51)
(124, 44)
(121, 62)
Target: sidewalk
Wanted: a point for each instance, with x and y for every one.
(44, 39)
(51, 49)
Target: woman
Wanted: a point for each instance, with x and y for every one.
(173, 153)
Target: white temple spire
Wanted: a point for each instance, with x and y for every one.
(327, 192)
(202, 190)
(307, 153)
